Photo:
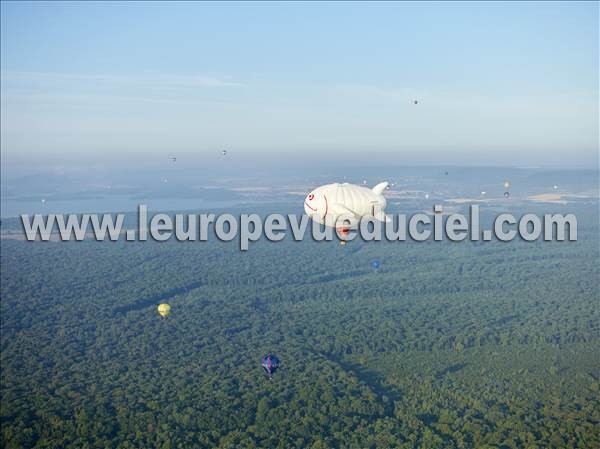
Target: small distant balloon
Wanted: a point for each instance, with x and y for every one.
(416, 102)
(43, 200)
(555, 187)
(506, 194)
(164, 309)
(506, 184)
(483, 192)
(375, 264)
(364, 181)
(270, 363)
(427, 196)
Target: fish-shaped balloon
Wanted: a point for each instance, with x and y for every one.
(327, 203)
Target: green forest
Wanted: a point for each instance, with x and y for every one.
(446, 345)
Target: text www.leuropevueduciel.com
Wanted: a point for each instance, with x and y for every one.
(251, 227)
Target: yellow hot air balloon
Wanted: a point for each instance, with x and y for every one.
(164, 309)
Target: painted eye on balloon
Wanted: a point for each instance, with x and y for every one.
(311, 197)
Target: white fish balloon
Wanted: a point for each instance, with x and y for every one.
(327, 203)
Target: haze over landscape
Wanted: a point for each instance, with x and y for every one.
(497, 83)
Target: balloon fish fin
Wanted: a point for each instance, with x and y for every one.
(379, 188)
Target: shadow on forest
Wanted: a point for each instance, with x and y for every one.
(373, 380)
(338, 277)
(451, 369)
(156, 299)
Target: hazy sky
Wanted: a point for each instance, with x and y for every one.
(504, 83)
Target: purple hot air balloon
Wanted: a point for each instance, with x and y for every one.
(270, 363)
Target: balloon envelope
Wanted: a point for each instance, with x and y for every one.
(343, 205)
(164, 309)
(270, 363)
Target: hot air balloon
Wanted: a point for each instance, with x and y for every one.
(270, 363)
(344, 232)
(327, 203)
(164, 309)
(506, 187)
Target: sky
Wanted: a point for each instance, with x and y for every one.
(496, 83)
